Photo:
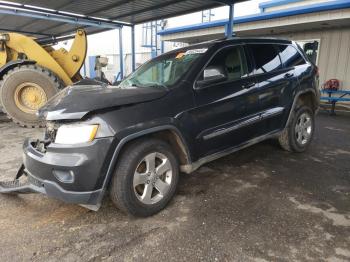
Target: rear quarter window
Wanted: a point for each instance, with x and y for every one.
(290, 56)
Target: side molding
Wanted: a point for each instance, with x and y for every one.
(254, 119)
(195, 165)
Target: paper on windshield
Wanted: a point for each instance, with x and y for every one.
(191, 52)
(196, 51)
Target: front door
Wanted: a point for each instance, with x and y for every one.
(227, 106)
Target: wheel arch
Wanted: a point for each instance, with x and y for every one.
(169, 133)
(304, 97)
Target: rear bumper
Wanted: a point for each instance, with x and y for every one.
(73, 174)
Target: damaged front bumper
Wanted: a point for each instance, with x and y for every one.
(21, 186)
(71, 174)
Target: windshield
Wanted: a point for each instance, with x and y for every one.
(163, 71)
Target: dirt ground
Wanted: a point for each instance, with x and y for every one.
(259, 204)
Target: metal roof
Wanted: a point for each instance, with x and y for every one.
(299, 10)
(40, 28)
(42, 18)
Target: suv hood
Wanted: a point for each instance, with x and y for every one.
(75, 102)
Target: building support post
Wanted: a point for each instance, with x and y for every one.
(162, 27)
(133, 51)
(121, 58)
(229, 32)
(84, 69)
(156, 36)
(162, 47)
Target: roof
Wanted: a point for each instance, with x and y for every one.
(274, 3)
(41, 29)
(235, 39)
(271, 40)
(29, 16)
(327, 6)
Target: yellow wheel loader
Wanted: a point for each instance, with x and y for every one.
(31, 73)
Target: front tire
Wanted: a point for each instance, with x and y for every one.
(146, 178)
(298, 135)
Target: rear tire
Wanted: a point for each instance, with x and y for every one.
(24, 90)
(146, 178)
(297, 136)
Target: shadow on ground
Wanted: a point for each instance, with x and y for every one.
(259, 204)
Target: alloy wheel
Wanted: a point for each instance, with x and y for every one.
(303, 129)
(152, 178)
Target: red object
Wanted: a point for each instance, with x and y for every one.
(331, 84)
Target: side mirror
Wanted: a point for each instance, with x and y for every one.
(212, 75)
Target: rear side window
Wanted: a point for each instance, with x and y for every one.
(266, 58)
(290, 56)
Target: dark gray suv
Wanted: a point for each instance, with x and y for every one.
(175, 113)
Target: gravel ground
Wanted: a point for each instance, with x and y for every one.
(259, 204)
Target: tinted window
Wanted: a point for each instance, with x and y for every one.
(233, 62)
(266, 58)
(290, 56)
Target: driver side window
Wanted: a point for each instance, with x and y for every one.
(231, 61)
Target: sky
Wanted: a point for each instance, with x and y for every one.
(107, 42)
(241, 9)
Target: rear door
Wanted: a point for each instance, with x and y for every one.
(226, 112)
(275, 81)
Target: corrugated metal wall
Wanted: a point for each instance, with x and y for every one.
(334, 53)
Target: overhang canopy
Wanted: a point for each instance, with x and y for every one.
(43, 17)
(320, 16)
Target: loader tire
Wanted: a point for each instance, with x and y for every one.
(24, 90)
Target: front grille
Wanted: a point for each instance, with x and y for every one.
(49, 137)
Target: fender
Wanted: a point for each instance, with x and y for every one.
(296, 97)
(129, 138)
(12, 64)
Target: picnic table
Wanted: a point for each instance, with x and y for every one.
(334, 96)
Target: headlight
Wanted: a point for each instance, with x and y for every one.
(75, 134)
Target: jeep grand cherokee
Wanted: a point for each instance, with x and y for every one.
(175, 113)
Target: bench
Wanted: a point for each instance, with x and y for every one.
(340, 96)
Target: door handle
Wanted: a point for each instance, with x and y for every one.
(288, 75)
(248, 85)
